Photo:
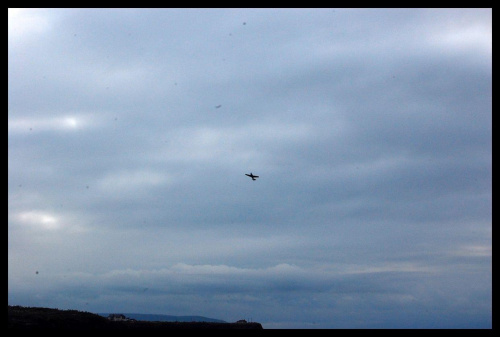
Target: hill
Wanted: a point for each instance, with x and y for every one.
(36, 318)
(167, 318)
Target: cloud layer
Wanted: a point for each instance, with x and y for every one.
(130, 131)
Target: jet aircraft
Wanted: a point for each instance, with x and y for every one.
(251, 176)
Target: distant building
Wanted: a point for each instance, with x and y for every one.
(119, 318)
(241, 321)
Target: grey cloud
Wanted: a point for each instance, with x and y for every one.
(370, 131)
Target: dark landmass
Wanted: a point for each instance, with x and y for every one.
(36, 318)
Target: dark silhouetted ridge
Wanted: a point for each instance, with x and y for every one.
(36, 318)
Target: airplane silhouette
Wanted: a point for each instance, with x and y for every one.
(251, 176)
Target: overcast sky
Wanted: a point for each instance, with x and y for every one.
(130, 132)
